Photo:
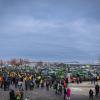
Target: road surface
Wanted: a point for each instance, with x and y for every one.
(79, 92)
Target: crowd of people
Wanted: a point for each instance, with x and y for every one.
(29, 81)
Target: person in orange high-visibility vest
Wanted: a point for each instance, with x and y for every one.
(1, 81)
(0, 78)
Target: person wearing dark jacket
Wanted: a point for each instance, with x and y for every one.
(91, 94)
(65, 92)
(97, 90)
(12, 95)
(5, 85)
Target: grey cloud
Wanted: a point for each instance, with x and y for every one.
(54, 29)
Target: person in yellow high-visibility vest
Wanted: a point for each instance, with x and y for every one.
(25, 78)
(98, 78)
(39, 77)
(30, 78)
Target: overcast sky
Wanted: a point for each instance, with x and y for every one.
(60, 30)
